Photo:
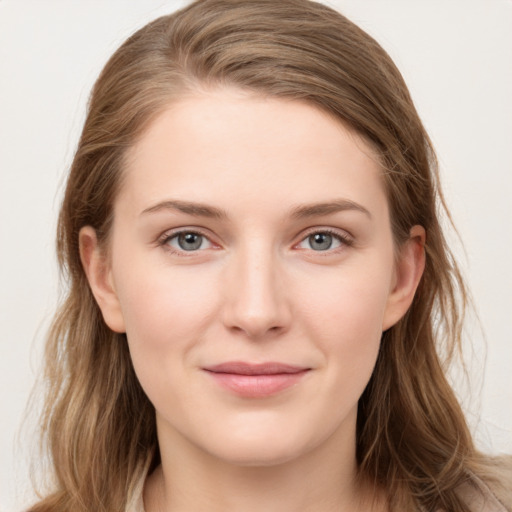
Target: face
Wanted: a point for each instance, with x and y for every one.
(252, 267)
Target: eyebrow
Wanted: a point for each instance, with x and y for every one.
(190, 208)
(299, 212)
(328, 208)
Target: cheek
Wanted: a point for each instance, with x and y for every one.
(350, 300)
(166, 310)
(167, 313)
(344, 316)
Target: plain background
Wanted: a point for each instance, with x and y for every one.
(456, 56)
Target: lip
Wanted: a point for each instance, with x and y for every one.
(256, 380)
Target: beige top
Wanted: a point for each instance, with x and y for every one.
(476, 494)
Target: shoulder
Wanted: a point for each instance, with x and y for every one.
(490, 488)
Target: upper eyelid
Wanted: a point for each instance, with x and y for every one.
(341, 233)
(345, 239)
(337, 232)
(166, 236)
(171, 233)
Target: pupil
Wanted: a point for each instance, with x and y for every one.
(189, 241)
(320, 241)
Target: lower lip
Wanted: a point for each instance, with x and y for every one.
(257, 386)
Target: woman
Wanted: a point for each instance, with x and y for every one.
(259, 281)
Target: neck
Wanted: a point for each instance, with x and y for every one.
(324, 479)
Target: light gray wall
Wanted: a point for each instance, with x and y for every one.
(456, 57)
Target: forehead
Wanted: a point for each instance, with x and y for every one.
(228, 144)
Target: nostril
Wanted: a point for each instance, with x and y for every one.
(256, 331)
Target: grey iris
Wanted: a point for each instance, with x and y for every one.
(320, 241)
(189, 241)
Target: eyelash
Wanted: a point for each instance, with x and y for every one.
(164, 240)
(345, 240)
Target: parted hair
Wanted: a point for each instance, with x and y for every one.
(98, 426)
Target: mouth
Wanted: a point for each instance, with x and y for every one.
(256, 380)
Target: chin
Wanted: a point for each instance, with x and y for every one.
(255, 447)
(257, 455)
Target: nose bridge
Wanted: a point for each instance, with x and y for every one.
(256, 302)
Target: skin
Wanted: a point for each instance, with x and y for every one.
(257, 289)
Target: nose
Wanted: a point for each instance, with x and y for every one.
(256, 302)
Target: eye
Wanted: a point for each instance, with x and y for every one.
(188, 241)
(322, 241)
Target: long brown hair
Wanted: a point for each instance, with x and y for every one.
(98, 425)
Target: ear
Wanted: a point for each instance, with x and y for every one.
(99, 274)
(409, 269)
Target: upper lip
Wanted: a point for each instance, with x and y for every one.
(242, 368)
